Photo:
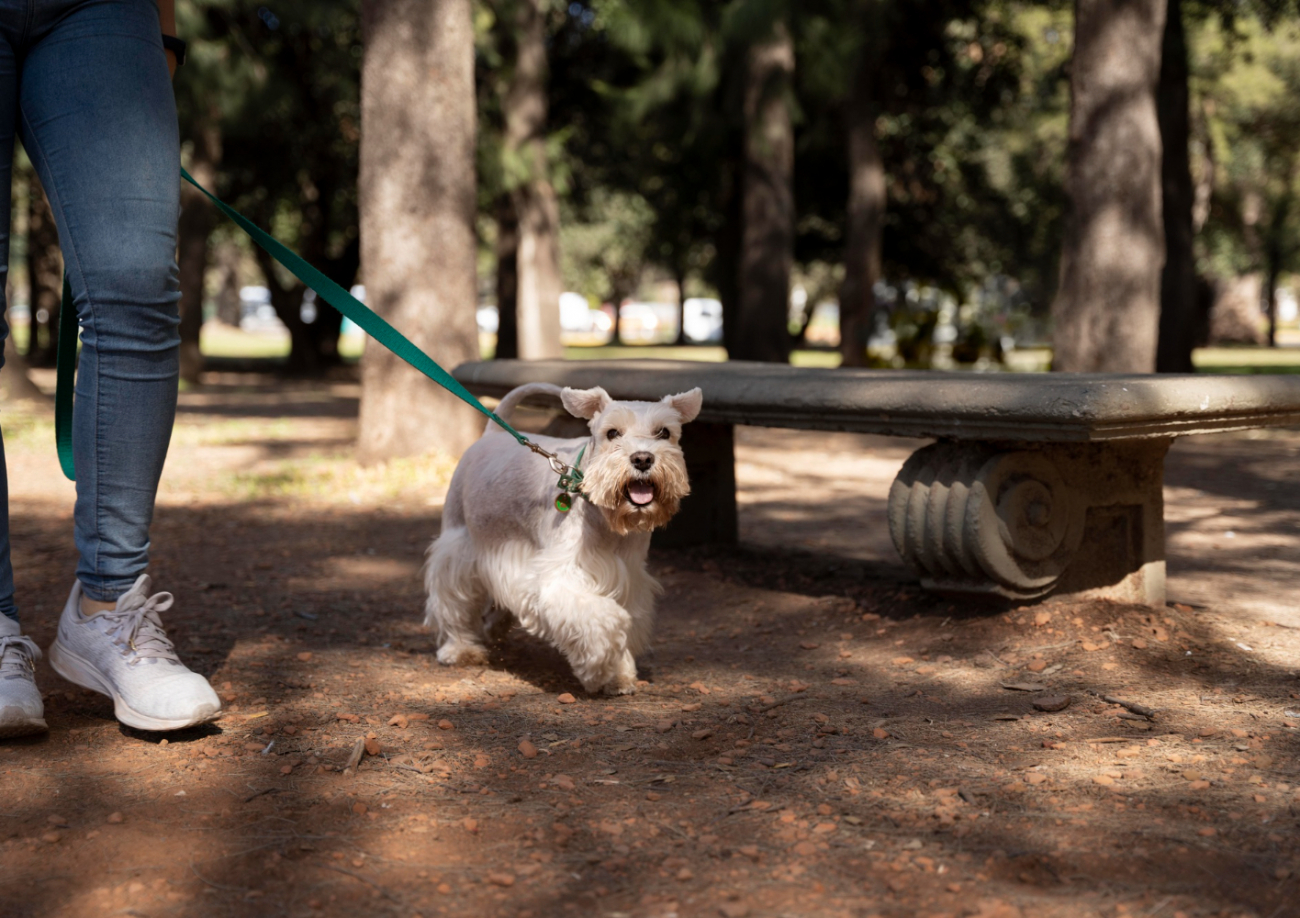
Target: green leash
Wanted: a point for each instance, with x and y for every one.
(65, 361)
(364, 317)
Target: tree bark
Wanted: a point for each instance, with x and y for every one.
(507, 280)
(537, 211)
(418, 206)
(767, 227)
(1178, 299)
(193, 232)
(865, 219)
(1107, 310)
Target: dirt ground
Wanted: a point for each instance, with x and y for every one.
(815, 736)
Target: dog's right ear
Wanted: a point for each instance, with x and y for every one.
(584, 403)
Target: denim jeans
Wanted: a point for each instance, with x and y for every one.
(84, 85)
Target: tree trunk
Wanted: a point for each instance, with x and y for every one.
(865, 219)
(228, 305)
(193, 232)
(44, 276)
(767, 228)
(1178, 300)
(418, 206)
(537, 212)
(1107, 310)
(507, 280)
(679, 278)
(1275, 250)
(15, 382)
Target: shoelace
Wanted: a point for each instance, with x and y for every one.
(139, 627)
(24, 656)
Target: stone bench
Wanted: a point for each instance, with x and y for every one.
(1036, 484)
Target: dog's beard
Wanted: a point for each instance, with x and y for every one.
(637, 502)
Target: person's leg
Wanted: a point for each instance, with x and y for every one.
(21, 711)
(98, 118)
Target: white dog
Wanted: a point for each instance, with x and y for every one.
(576, 579)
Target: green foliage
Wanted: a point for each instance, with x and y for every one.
(1247, 89)
(282, 87)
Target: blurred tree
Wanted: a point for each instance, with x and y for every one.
(1107, 309)
(528, 213)
(1179, 320)
(760, 319)
(418, 211)
(865, 212)
(44, 263)
(1249, 82)
(284, 84)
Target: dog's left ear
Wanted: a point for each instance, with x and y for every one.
(584, 403)
(686, 404)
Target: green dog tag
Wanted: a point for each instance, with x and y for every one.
(564, 502)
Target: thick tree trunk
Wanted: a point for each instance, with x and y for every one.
(417, 219)
(1107, 310)
(767, 228)
(507, 280)
(1178, 300)
(865, 220)
(537, 212)
(193, 232)
(44, 276)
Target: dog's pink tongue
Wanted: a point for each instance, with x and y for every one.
(641, 492)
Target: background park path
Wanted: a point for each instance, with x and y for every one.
(816, 737)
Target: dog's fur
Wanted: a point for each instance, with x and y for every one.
(576, 579)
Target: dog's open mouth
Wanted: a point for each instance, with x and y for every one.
(641, 493)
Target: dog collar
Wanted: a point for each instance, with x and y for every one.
(570, 484)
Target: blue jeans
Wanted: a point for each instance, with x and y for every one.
(84, 84)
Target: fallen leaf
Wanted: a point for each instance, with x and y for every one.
(1052, 703)
(1024, 686)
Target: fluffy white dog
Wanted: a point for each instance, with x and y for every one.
(576, 579)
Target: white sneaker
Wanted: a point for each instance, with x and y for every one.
(125, 654)
(21, 711)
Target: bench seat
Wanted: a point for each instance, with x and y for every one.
(1037, 484)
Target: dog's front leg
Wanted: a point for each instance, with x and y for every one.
(591, 631)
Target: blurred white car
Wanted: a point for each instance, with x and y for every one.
(580, 324)
(702, 320)
(488, 319)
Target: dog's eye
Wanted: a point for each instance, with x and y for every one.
(663, 434)
(611, 434)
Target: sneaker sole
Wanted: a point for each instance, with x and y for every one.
(79, 672)
(24, 727)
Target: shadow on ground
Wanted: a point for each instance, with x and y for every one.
(813, 738)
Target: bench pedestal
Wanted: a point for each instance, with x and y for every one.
(1021, 522)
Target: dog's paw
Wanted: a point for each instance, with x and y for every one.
(459, 654)
(621, 687)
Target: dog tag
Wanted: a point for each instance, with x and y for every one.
(564, 502)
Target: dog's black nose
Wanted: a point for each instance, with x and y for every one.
(642, 461)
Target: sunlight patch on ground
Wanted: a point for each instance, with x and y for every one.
(336, 478)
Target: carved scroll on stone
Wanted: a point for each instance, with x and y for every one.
(974, 519)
